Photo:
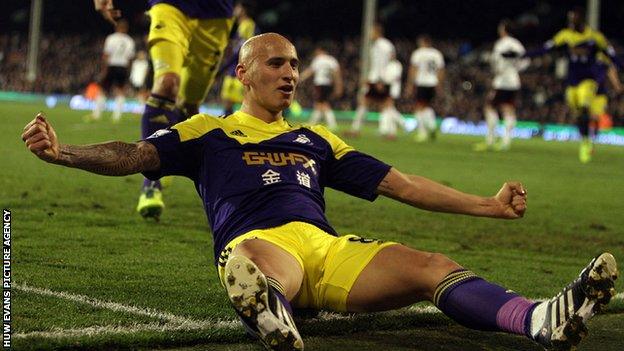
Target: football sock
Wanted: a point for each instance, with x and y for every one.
(491, 117)
(583, 123)
(278, 290)
(397, 117)
(360, 113)
(100, 104)
(331, 120)
(422, 124)
(119, 104)
(159, 113)
(430, 119)
(387, 125)
(479, 304)
(510, 123)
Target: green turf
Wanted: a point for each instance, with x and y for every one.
(79, 233)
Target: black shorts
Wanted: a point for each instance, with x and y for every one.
(322, 93)
(425, 95)
(116, 76)
(378, 91)
(502, 96)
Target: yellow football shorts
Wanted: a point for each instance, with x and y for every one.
(581, 95)
(189, 47)
(232, 89)
(330, 264)
(599, 105)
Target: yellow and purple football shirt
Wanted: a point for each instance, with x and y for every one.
(201, 9)
(256, 175)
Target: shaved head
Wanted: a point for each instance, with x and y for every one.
(261, 44)
(268, 68)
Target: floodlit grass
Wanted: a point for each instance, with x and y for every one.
(78, 233)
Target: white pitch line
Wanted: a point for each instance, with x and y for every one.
(114, 306)
(178, 323)
(125, 329)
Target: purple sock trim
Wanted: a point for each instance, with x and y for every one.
(511, 317)
(283, 300)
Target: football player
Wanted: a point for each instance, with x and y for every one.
(261, 181)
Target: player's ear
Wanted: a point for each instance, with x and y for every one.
(241, 74)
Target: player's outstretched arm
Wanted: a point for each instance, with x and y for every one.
(508, 203)
(107, 10)
(113, 158)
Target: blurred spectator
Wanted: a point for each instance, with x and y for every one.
(69, 63)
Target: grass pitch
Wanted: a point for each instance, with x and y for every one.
(89, 273)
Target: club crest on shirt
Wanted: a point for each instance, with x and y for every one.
(159, 133)
(302, 139)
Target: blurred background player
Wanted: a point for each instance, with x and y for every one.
(138, 75)
(605, 70)
(426, 74)
(232, 89)
(327, 84)
(377, 91)
(505, 85)
(390, 117)
(117, 55)
(186, 43)
(582, 44)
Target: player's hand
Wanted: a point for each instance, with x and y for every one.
(511, 199)
(107, 10)
(40, 139)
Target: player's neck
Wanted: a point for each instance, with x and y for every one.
(260, 113)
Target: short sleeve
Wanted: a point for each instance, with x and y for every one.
(440, 60)
(351, 171)
(414, 58)
(560, 38)
(176, 157)
(357, 174)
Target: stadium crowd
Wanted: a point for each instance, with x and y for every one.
(73, 61)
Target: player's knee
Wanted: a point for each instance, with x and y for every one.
(167, 85)
(440, 265)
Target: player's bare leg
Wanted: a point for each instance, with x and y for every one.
(159, 113)
(399, 276)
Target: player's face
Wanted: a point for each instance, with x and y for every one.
(575, 20)
(274, 76)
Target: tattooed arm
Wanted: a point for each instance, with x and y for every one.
(113, 158)
(509, 202)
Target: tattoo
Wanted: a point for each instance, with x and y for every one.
(113, 158)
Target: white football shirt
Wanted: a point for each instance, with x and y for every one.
(428, 61)
(506, 75)
(392, 76)
(324, 67)
(381, 53)
(138, 73)
(119, 47)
